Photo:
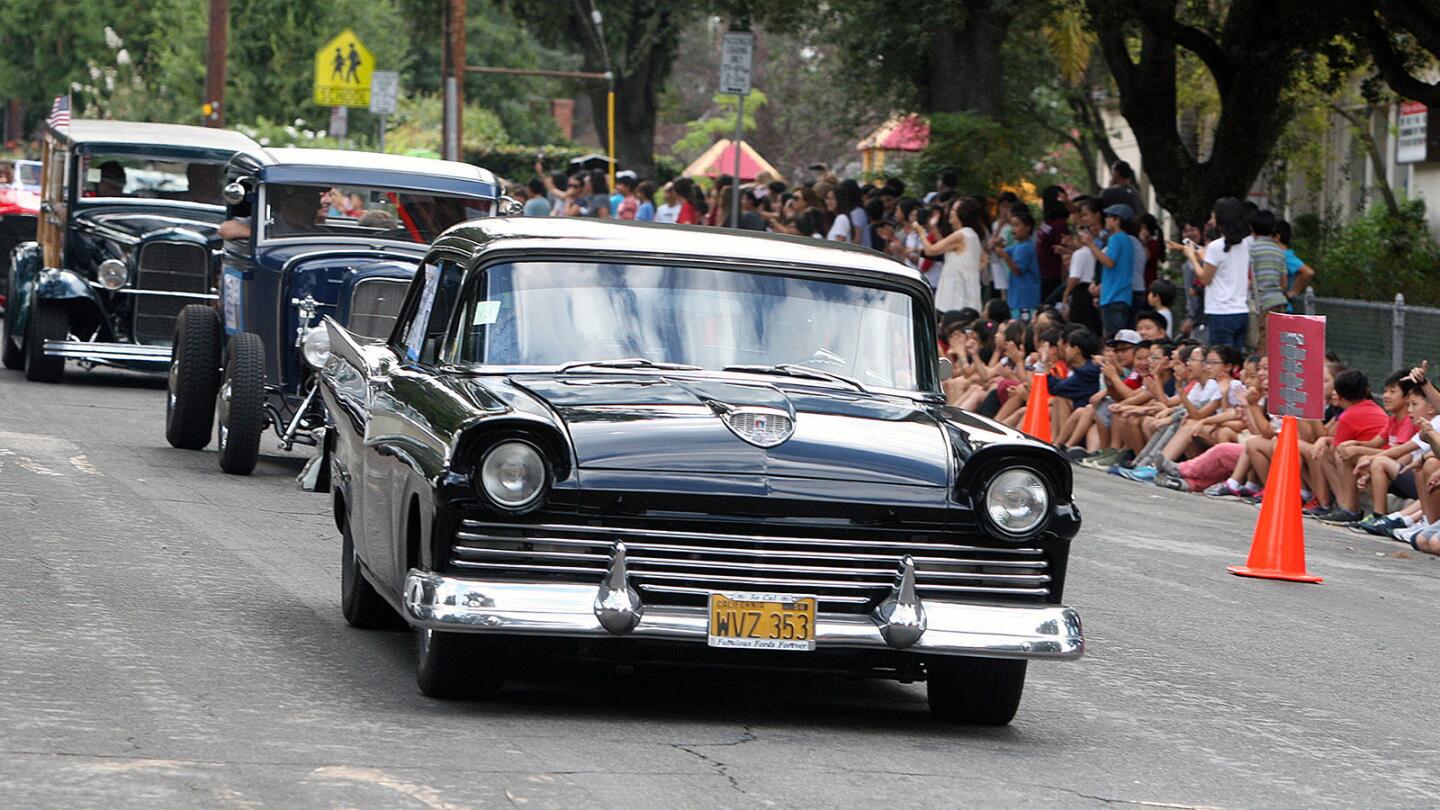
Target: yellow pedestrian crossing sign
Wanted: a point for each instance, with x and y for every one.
(342, 72)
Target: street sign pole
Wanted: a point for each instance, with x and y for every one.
(737, 50)
(384, 98)
(735, 186)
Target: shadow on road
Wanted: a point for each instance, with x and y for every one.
(553, 688)
(100, 377)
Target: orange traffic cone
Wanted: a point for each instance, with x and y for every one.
(1278, 550)
(1037, 409)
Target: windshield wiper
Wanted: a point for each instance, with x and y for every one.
(794, 370)
(628, 362)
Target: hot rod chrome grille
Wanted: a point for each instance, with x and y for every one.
(180, 267)
(375, 304)
(670, 566)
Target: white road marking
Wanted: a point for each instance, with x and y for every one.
(428, 796)
(83, 464)
(36, 467)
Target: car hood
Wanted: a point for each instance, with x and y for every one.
(674, 425)
(135, 221)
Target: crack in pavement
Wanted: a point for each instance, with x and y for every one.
(721, 768)
(1134, 802)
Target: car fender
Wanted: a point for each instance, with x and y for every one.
(56, 283)
(25, 265)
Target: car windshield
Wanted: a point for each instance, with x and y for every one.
(553, 313)
(131, 175)
(365, 212)
(29, 172)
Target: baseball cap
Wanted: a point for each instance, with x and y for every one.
(1126, 336)
(1120, 210)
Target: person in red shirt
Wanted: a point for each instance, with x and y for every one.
(1361, 421)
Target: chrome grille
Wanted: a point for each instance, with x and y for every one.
(669, 565)
(166, 267)
(374, 306)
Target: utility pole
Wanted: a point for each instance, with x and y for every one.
(454, 80)
(213, 108)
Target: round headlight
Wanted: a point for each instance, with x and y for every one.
(112, 274)
(315, 347)
(512, 474)
(1016, 501)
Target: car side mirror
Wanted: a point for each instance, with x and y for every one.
(509, 206)
(234, 193)
(945, 369)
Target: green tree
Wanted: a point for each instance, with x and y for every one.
(494, 37)
(719, 123)
(638, 42)
(271, 63)
(1252, 51)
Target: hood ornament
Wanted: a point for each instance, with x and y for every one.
(762, 427)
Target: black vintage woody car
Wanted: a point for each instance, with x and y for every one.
(667, 444)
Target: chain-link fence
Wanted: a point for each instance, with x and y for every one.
(1378, 337)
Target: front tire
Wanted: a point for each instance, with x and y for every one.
(975, 691)
(241, 404)
(194, 378)
(458, 665)
(48, 321)
(10, 353)
(361, 604)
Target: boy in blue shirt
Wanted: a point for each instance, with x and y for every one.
(1116, 262)
(1079, 347)
(1024, 295)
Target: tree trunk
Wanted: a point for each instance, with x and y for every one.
(1251, 69)
(642, 50)
(966, 71)
(1360, 127)
(636, 106)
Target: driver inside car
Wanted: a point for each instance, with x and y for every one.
(112, 180)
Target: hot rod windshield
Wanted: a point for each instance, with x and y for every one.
(552, 313)
(360, 211)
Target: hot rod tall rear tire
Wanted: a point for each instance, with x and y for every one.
(458, 665)
(48, 321)
(975, 691)
(361, 604)
(241, 404)
(194, 378)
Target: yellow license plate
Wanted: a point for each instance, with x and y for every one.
(766, 621)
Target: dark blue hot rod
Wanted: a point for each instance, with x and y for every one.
(126, 237)
(310, 233)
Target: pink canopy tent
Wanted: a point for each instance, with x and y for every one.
(903, 133)
(720, 159)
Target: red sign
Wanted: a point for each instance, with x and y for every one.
(1295, 345)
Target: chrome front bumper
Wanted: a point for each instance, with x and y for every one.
(462, 604)
(107, 352)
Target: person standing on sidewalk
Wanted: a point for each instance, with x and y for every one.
(1224, 271)
(1117, 264)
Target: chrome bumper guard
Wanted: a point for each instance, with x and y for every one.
(613, 608)
(83, 350)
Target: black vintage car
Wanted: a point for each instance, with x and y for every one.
(669, 444)
(126, 238)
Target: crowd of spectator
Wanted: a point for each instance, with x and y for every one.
(1152, 349)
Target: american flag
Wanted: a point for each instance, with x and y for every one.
(59, 113)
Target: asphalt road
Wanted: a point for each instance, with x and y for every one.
(170, 636)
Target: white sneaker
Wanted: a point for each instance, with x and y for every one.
(1409, 533)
